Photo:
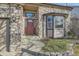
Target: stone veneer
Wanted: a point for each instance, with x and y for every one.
(44, 10)
(28, 40)
(15, 13)
(12, 11)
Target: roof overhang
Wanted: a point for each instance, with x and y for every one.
(30, 7)
(56, 14)
(49, 5)
(57, 6)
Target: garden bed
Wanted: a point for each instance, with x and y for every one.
(56, 46)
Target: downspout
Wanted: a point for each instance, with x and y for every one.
(8, 31)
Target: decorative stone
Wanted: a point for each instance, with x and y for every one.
(18, 39)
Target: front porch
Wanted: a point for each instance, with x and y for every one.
(49, 24)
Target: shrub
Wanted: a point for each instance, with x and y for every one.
(76, 50)
(72, 34)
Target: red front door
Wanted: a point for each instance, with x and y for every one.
(29, 29)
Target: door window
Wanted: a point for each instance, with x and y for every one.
(59, 22)
(49, 22)
(50, 26)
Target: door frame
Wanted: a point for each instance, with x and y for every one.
(53, 14)
(53, 23)
(52, 27)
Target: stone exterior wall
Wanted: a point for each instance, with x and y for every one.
(17, 24)
(15, 15)
(27, 41)
(2, 33)
(44, 10)
(13, 12)
(3, 14)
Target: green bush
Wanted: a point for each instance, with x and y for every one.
(56, 46)
(76, 50)
(71, 34)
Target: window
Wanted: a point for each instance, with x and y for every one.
(49, 22)
(59, 23)
(29, 14)
(53, 23)
(31, 23)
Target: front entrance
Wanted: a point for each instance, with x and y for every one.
(53, 26)
(50, 26)
(4, 34)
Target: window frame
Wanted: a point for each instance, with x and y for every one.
(55, 23)
(54, 27)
